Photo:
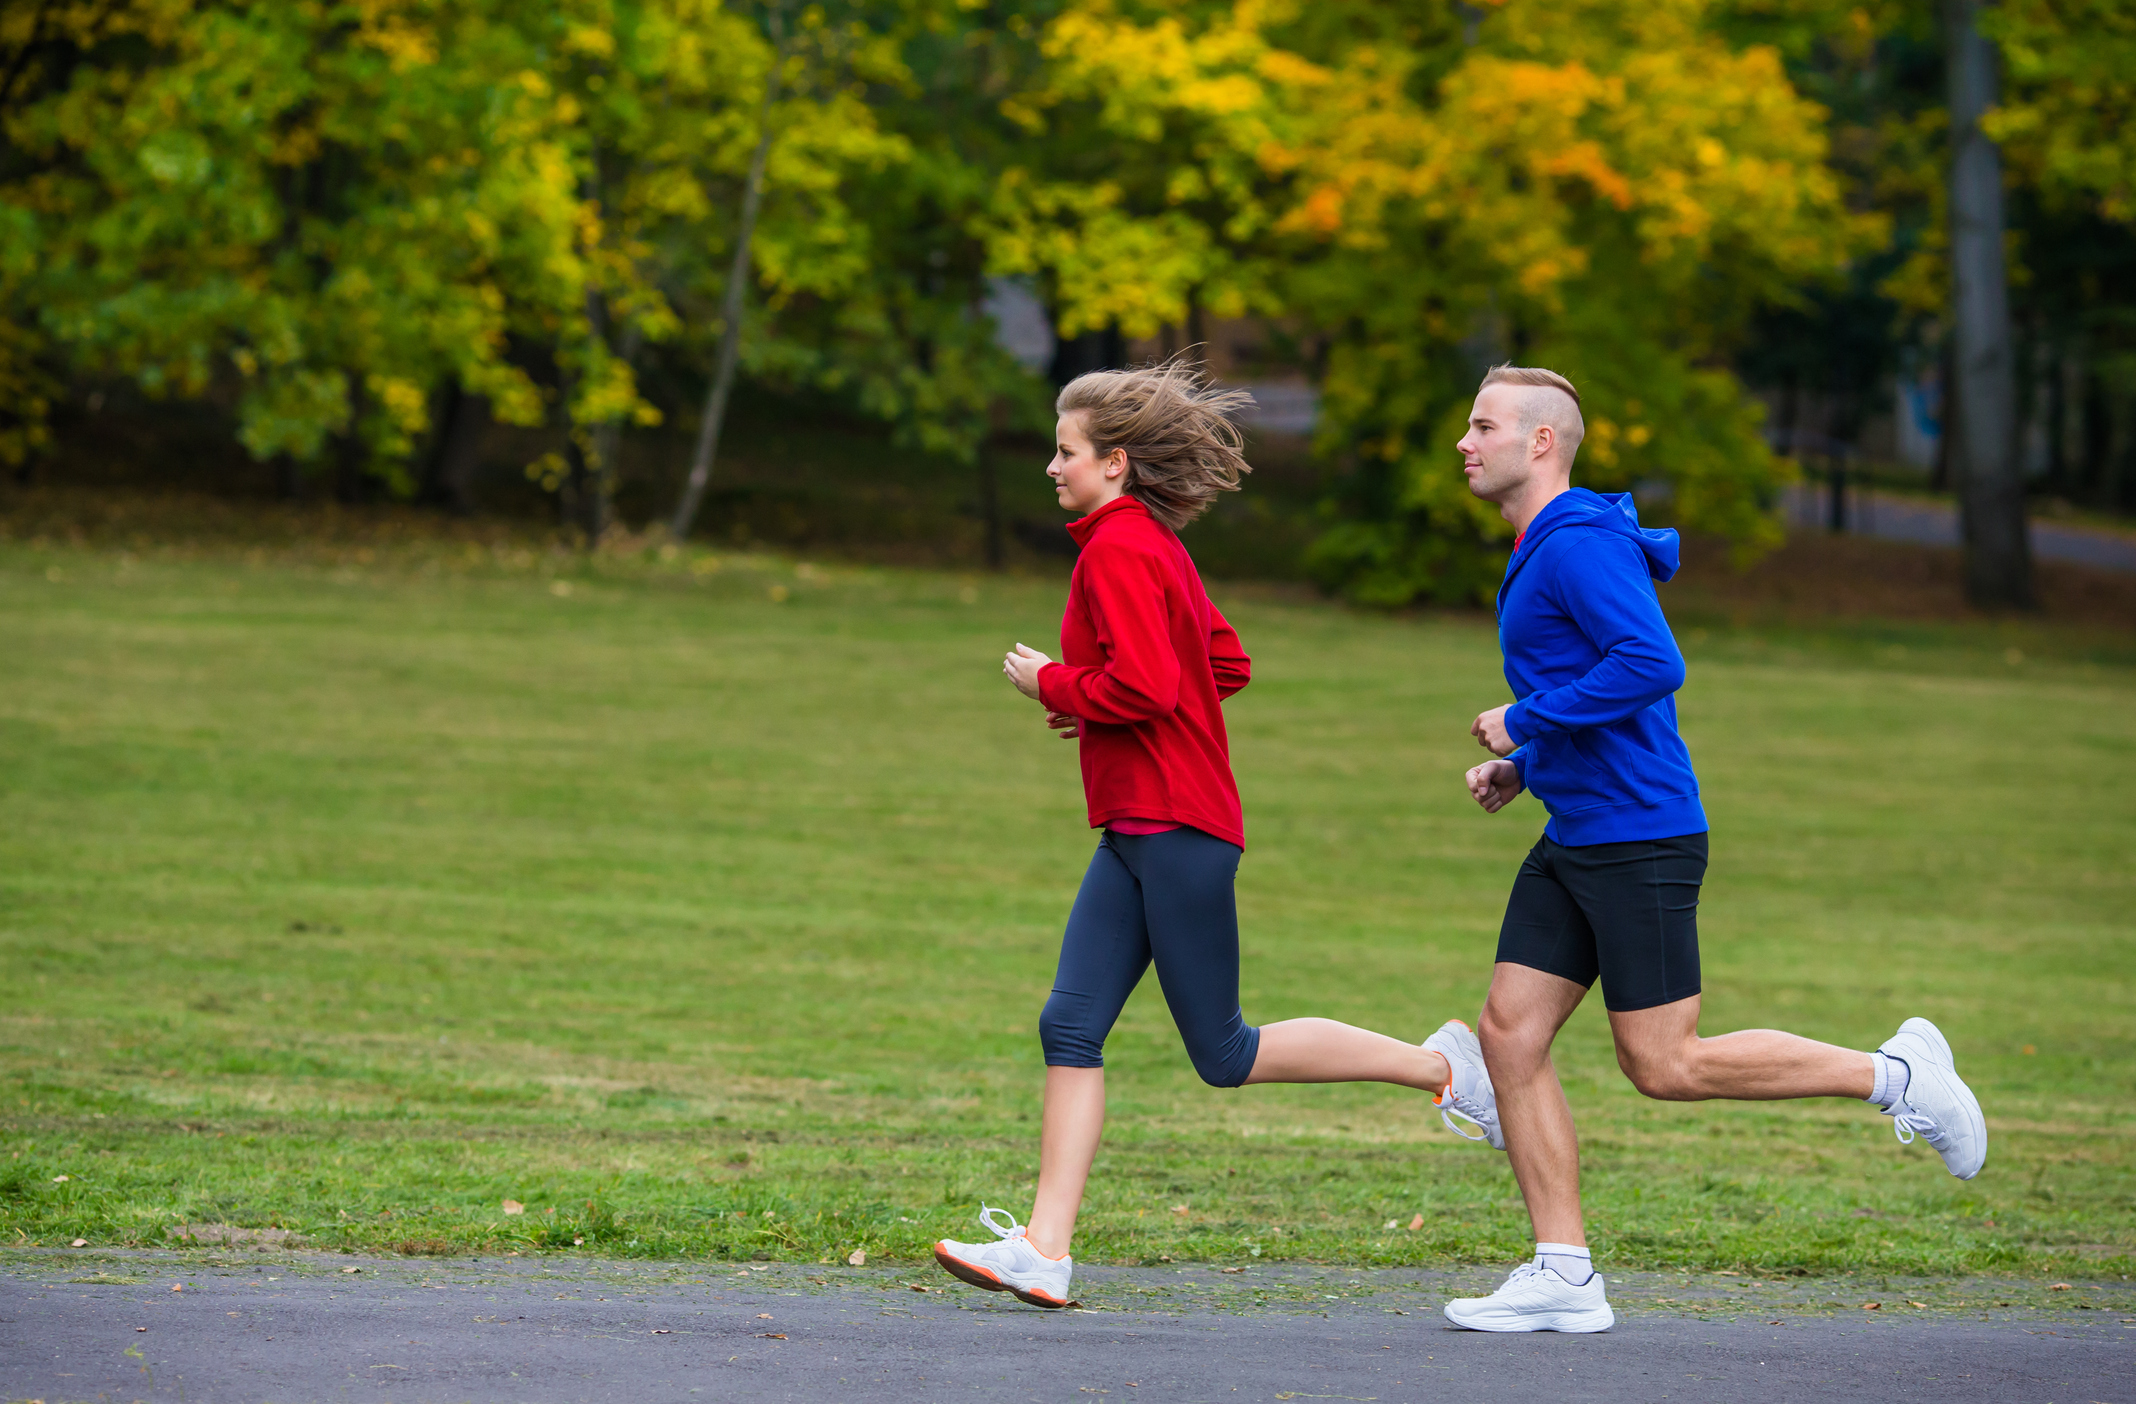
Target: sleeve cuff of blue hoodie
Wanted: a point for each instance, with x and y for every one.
(1516, 723)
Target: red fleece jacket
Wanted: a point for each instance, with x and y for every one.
(1146, 662)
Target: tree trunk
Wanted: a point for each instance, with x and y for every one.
(458, 454)
(1983, 391)
(990, 500)
(731, 304)
(352, 455)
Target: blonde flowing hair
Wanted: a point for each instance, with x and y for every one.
(1183, 447)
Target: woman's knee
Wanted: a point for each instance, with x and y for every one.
(1066, 1033)
(1224, 1059)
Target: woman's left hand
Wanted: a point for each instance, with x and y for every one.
(1022, 667)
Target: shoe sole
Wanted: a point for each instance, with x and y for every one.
(1568, 1322)
(1939, 1052)
(979, 1276)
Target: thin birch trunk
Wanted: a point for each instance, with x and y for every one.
(730, 339)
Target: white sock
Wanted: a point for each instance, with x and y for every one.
(1575, 1265)
(1892, 1075)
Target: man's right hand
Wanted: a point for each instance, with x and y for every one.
(1068, 726)
(1495, 784)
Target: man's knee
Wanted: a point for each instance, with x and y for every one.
(1513, 1041)
(1663, 1078)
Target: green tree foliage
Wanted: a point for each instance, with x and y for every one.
(1608, 190)
(329, 213)
(300, 199)
(2070, 117)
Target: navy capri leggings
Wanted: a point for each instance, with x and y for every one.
(1163, 897)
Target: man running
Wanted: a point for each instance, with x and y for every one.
(1611, 888)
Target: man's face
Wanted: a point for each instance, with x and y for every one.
(1494, 452)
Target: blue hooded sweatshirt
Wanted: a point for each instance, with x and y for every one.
(1595, 668)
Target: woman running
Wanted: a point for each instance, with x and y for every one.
(1147, 661)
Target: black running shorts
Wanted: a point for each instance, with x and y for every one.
(1626, 912)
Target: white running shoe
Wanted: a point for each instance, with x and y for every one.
(1468, 1095)
(1937, 1105)
(1012, 1265)
(1534, 1298)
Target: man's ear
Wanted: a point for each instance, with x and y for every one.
(1545, 441)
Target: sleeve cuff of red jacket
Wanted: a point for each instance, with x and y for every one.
(1051, 700)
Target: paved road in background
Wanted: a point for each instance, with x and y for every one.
(1929, 522)
(294, 1326)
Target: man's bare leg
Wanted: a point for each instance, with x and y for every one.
(1521, 1018)
(1661, 1052)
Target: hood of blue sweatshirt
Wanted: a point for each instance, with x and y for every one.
(1614, 512)
(1594, 668)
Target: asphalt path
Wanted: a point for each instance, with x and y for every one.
(297, 1326)
(1928, 521)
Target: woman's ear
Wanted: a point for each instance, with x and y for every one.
(1115, 463)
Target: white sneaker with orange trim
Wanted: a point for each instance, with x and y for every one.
(1012, 1265)
(1469, 1094)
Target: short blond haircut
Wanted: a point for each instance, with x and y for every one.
(1183, 447)
(1536, 408)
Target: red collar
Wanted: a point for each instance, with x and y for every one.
(1519, 537)
(1082, 527)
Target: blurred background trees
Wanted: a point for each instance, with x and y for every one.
(384, 243)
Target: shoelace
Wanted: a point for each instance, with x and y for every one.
(1452, 1104)
(1014, 1230)
(1905, 1121)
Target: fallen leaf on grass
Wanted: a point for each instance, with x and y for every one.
(177, 1286)
(858, 1257)
(1923, 1305)
(659, 1332)
(352, 1269)
(2059, 1287)
(1234, 1269)
(579, 1242)
(918, 1288)
(1179, 1208)
(1872, 1306)
(763, 1316)
(140, 1328)
(61, 1179)
(1416, 1223)
(513, 1206)
(771, 1335)
(79, 1243)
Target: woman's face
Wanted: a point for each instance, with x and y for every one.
(1081, 480)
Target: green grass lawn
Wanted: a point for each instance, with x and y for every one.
(706, 907)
